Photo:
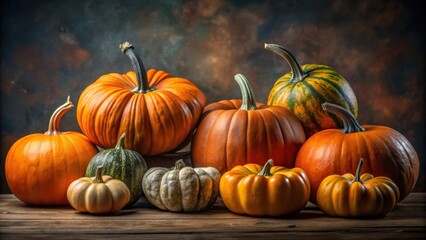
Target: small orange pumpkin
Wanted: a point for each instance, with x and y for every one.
(40, 167)
(359, 196)
(264, 191)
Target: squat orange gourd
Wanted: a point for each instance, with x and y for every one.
(264, 191)
(359, 196)
(40, 167)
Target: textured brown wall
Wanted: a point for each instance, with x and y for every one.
(51, 49)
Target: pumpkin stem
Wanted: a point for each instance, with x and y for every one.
(249, 103)
(138, 67)
(266, 170)
(350, 124)
(298, 74)
(53, 128)
(358, 171)
(120, 143)
(98, 176)
(179, 164)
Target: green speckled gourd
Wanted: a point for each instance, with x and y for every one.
(182, 188)
(122, 164)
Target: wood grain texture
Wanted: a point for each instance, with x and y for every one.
(19, 221)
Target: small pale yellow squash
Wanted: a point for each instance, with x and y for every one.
(99, 194)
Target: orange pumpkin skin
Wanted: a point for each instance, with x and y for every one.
(357, 196)
(267, 191)
(228, 136)
(40, 167)
(386, 152)
(156, 117)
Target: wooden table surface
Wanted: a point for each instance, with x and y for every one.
(18, 221)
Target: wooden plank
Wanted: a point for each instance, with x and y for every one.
(102, 225)
(19, 220)
(219, 235)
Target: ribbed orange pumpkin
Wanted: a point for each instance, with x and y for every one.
(359, 196)
(337, 151)
(40, 167)
(155, 110)
(237, 132)
(264, 191)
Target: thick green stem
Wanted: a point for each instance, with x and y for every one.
(249, 103)
(98, 176)
(120, 143)
(139, 68)
(298, 74)
(350, 124)
(358, 171)
(55, 119)
(266, 170)
(179, 164)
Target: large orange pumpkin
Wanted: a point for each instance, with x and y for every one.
(236, 132)
(337, 151)
(155, 110)
(40, 167)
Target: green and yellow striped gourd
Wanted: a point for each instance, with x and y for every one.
(306, 87)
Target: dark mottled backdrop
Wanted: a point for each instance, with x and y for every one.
(51, 49)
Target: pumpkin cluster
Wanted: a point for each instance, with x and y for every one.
(122, 117)
(260, 159)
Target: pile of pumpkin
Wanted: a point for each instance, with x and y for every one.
(262, 160)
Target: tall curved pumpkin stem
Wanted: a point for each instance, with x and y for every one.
(55, 119)
(249, 103)
(298, 74)
(350, 124)
(357, 177)
(138, 66)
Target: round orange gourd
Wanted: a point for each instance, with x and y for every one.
(264, 191)
(155, 110)
(40, 167)
(235, 132)
(359, 196)
(337, 151)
